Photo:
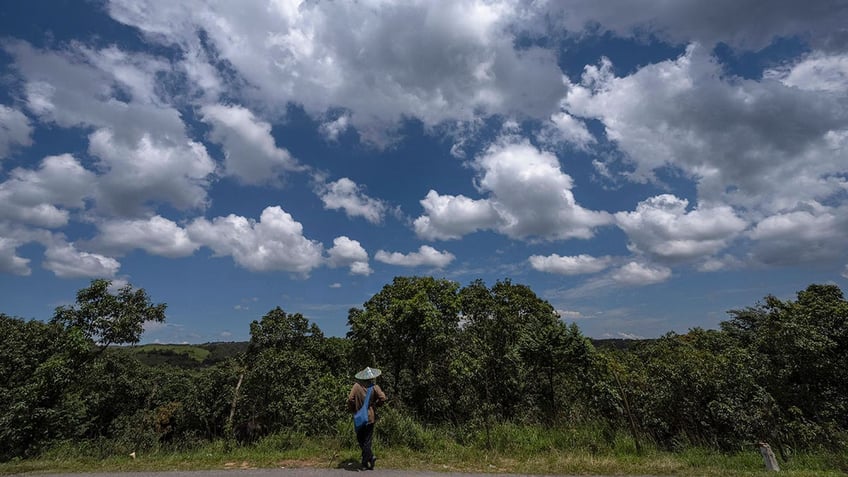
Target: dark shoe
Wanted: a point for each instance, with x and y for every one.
(371, 464)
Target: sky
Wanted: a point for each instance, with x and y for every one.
(644, 166)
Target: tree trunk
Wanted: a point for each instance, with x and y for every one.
(229, 427)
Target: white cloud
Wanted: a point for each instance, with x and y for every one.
(627, 336)
(759, 145)
(425, 256)
(15, 129)
(250, 152)
(276, 242)
(817, 71)
(35, 196)
(573, 265)
(634, 273)
(349, 253)
(332, 129)
(662, 228)
(335, 285)
(380, 60)
(155, 235)
(140, 140)
(347, 195)
(150, 172)
(845, 272)
(532, 194)
(570, 314)
(9, 261)
(714, 264)
(78, 86)
(529, 197)
(812, 233)
(564, 127)
(752, 24)
(452, 216)
(64, 260)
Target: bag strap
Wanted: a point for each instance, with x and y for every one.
(367, 396)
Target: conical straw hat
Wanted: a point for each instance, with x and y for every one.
(368, 373)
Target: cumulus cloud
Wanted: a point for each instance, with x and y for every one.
(65, 261)
(348, 195)
(445, 61)
(811, 233)
(140, 141)
(752, 24)
(714, 264)
(573, 265)
(78, 86)
(42, 197)
(564, 127)
(663, 229)
(15, 129)
(333, 129)
(275, 242)
(10, 262)
(149, 172)
(425, 256)
(155, 235)
(453, 216)
(635, 273)
(760, 145)
(817, 71)
(532, 194)
(349, 253)
(250, 152)
(528, 197)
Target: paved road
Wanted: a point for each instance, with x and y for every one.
(276, 473)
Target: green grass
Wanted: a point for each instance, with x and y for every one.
(509, 449)
(194, 352)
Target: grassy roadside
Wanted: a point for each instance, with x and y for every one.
(284, 451)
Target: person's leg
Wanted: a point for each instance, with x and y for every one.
(363, 437)
(368, 456)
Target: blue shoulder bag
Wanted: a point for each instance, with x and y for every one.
(361, 416)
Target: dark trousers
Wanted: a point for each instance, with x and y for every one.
(364, 435)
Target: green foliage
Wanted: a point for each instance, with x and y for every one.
(494, 368)
(399, 429)
(39, 365)
(107, 318)
(407, 329)
(287, 385)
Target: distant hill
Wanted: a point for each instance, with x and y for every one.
(194, 356)
(617, 343)
(184, 355)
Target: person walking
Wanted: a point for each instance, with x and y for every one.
(364, 397)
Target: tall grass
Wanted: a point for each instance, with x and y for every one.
(403, 443)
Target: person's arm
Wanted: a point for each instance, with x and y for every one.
(380, 396)
(351, 399)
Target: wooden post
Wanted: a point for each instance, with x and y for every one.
(768, 457)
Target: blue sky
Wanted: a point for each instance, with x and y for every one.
(644, 166)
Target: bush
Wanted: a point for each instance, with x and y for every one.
(397, 429)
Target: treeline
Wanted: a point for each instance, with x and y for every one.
(462, 358)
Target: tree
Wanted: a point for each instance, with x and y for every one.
(805, 345)
(38, 363)
(282, 361)
(408, 330)
(107, 318)
(519, 339)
